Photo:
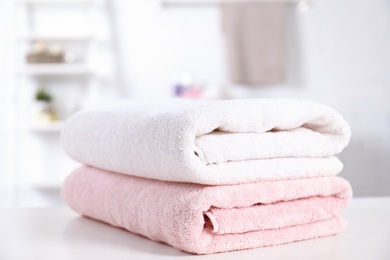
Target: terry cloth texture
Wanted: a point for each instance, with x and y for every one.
(210, 142)
(210, 219)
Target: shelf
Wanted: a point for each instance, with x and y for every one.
(54, 37)
(49, 127)
(55, 2)
(55, 69)
(40, 185)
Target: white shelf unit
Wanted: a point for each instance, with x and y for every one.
(59, 79)
(55, 70)
(47, 127)
(37, 72)
(34, 36)
(56, 2)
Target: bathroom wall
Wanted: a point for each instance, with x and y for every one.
(158, 42)
(344, 61)
(5, 86)
(338, 54)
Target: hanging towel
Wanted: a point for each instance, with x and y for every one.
(210, 142)
(210, 219)
(255, 39)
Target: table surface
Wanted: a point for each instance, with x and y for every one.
(59, 233)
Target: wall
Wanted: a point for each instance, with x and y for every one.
(345, 60)
(5, 86)
(158, 42)
(339, 54)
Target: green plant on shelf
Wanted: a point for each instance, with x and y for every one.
(43, 96)
(46, 112)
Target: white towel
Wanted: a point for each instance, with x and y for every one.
(210, 142)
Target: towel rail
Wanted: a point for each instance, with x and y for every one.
(302, 5)
(173, 3)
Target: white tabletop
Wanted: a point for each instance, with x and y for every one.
(59, 233)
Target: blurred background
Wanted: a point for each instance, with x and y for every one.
(59, 56)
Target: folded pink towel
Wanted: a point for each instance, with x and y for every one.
(210, 219)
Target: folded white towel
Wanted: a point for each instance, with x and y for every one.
(210, 142)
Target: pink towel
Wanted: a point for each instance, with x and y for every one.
(210, 219)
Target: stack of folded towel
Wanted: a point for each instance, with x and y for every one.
(210, 176)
